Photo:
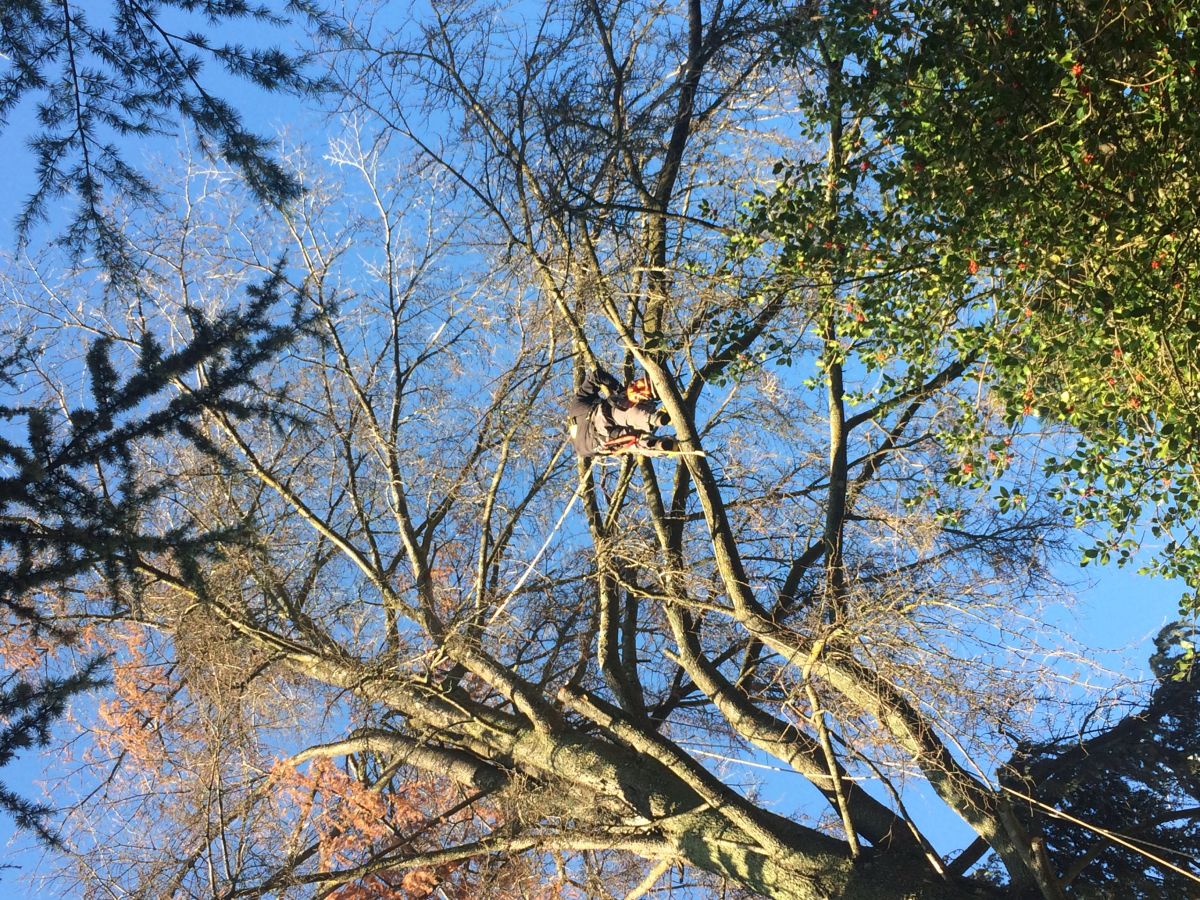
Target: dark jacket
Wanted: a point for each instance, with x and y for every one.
(587, 404)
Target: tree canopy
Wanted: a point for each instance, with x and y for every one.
(73, 499)
(95, 83)
(445, 658)
(1038, 160)
(99, 75)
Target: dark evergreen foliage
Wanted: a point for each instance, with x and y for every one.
(72, 496)
(99, 78)
(28, 711)
(1138, 779)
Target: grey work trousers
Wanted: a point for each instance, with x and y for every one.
(635, 418)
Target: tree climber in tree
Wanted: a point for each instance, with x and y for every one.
(607, 418)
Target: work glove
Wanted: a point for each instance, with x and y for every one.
(604, 379)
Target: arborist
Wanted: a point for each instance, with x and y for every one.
(607, 418)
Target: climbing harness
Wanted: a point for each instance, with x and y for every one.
(640, 445)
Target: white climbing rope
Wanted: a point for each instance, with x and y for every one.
(537, 556)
